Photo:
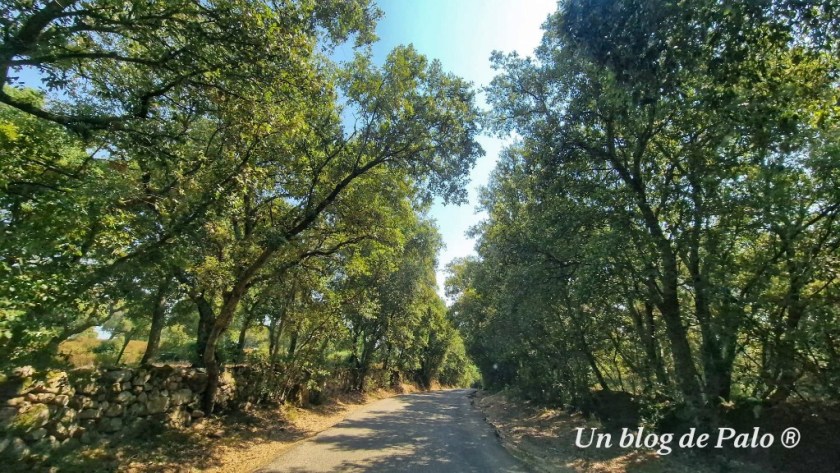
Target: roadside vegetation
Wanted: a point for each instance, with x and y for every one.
(196, 183)
(202, 184)
(661, 243)
(199, 183)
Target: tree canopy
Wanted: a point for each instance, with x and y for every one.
(206, 165)
(666, 221)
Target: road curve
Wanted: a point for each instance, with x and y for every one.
(430, 432)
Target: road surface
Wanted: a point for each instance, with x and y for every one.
(429, 432)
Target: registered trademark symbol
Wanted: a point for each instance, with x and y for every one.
(790, 437)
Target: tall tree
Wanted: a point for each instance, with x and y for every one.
(652, 138)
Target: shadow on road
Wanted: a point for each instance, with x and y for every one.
(433, 432)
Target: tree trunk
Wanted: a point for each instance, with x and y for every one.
(158, 319)
(292, 344)
(717, 382)
(272, 342)
(387, 363)
(364, 362)
(590, 359)
(126, 340)
(786, 349)
(205, 325)
(210, 358)
(668, 303)
(240, 344)
(360, 361)
(276, 333)
(686, 372)
(659, 366)
(646, 331)
(669, 307)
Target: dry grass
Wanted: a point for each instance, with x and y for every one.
(79, 352)
(239, 452)
(545, 439)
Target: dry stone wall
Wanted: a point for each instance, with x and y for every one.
(42, 411)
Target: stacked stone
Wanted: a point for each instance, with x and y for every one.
(37, 412)
(42, 411)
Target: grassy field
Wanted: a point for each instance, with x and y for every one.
(89, 351)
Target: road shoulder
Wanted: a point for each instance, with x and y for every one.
(544, 439)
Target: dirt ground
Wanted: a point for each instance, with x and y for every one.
(237, 442)
(239, 456)
(545, 439)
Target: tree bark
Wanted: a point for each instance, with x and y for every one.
(219, 325)
(292, 344)
(275, 332)
(646, 330)
(786, 349)
(158, 319)
(206, 317)
(126, 341)
(243, 332)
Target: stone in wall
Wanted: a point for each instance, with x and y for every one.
(41, 411)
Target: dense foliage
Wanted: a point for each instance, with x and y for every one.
(666, 222)
(200, 167)
(201, 178)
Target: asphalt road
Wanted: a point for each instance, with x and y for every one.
(429, 432)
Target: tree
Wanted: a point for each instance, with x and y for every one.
(221, 178)
(142, 61)
(53, 203)
(298, 181)
(143, 90)
(633, 198)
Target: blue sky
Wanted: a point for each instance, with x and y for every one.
(462, 34)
